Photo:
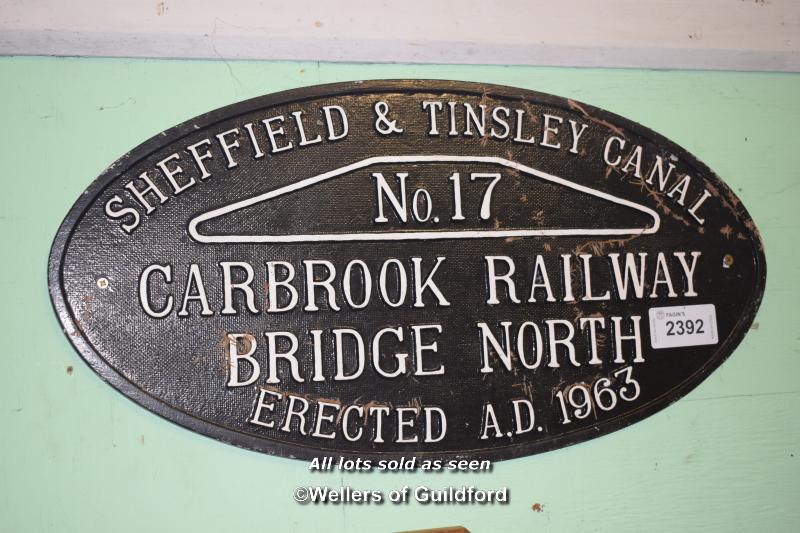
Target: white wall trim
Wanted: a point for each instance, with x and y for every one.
(760, 35)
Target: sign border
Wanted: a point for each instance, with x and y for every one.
(246, 440)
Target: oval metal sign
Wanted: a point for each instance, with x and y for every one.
(406, 267)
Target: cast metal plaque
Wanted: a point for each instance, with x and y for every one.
(406, 267)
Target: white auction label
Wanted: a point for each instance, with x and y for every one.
(683, 325)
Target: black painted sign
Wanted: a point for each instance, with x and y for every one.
(406, 267)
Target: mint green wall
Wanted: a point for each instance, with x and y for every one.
(77, 456)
